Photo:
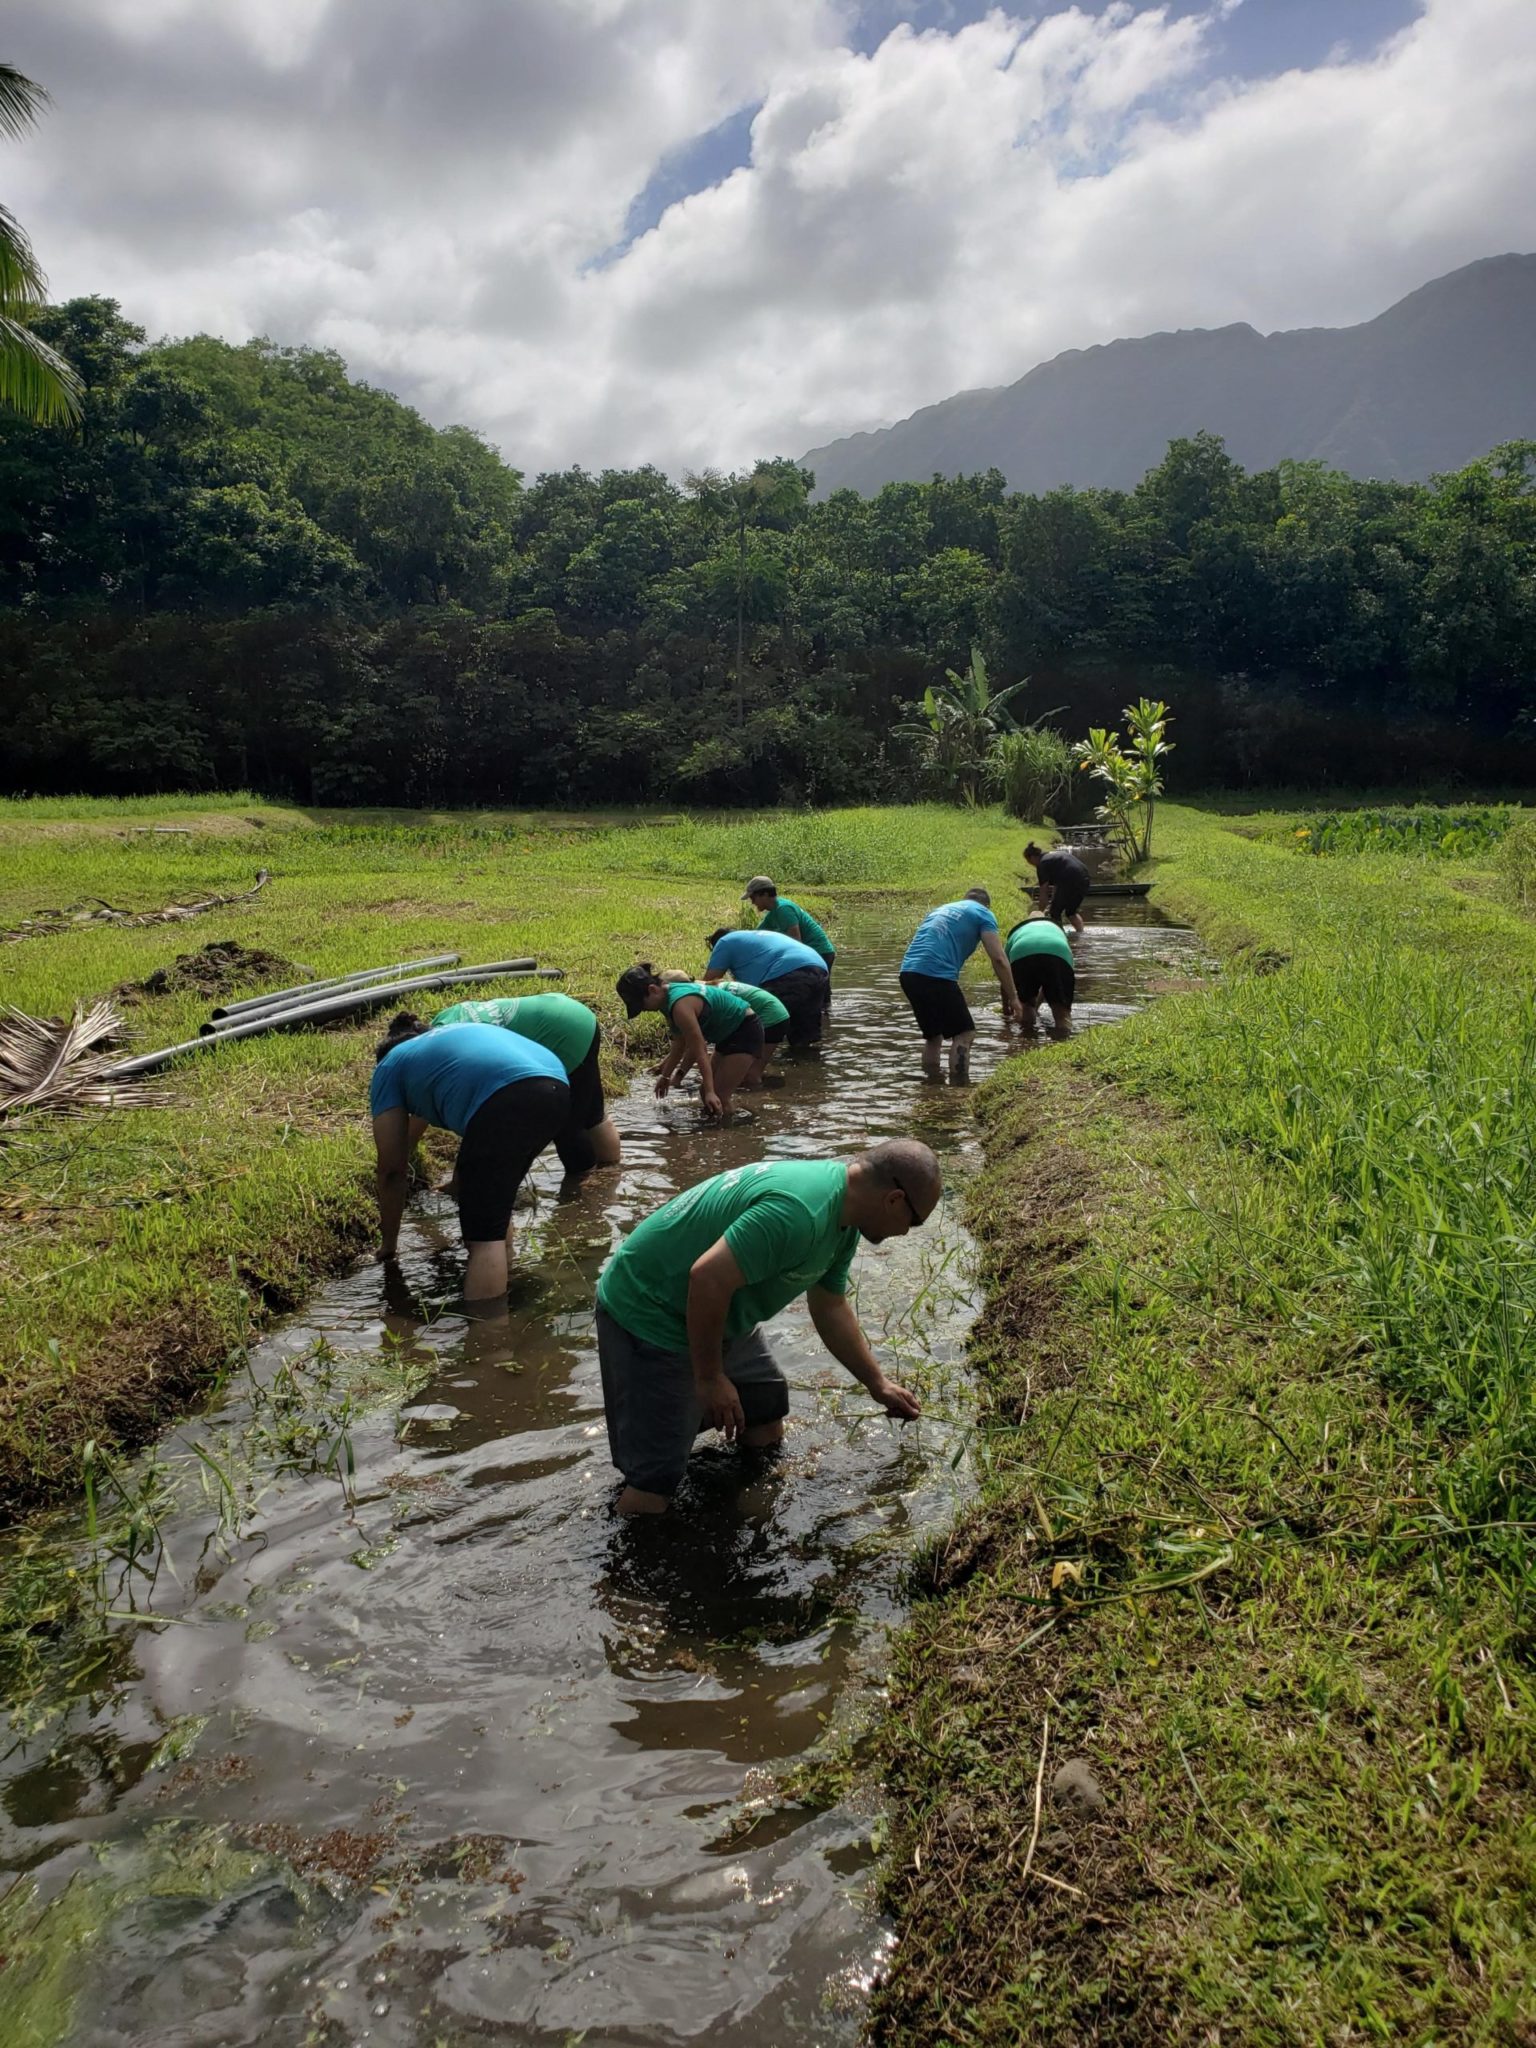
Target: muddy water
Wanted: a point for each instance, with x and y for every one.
(522, 1754)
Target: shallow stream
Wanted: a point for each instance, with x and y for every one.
(523, 1756)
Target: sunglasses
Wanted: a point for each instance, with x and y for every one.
(917, 1221)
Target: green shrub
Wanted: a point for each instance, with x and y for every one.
(1030, 771)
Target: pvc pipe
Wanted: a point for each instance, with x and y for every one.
(324, 1011)
(272, 1012)
(333, 983)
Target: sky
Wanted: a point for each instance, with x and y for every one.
(695, 232)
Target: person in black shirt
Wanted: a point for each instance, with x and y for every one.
(1063, 883)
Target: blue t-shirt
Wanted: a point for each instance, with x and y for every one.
(946, 939)
(445, 1076)
(761, 957)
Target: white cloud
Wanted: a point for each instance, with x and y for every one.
(426, 188)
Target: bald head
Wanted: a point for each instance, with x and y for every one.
(908, 1166)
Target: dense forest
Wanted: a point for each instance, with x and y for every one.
(243, 569)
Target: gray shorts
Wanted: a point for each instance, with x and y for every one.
(652, 1409)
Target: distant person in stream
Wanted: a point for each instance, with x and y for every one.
(1063, 883)
(711, 1028)
(1040, 954)
(795, 973)
(776, 913)
(680, 1301)
(504, 1096)
(930, 977)
(571, 1032)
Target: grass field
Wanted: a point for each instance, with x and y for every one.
(1256, 1538)
(139, 1249)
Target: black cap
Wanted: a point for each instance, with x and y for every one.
(632, 988)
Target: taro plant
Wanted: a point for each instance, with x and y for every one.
(1131, 775)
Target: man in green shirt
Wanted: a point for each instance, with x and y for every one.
(679, 1302)
(1040, 954)
(776, 913)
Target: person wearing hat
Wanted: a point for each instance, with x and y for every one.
(680, 1301)
(712, 1029)
(776, 913)
(782, 966)
(1040, 954)
(571, 1032)
(930, 977)
(1064, 883)
(506, 1097)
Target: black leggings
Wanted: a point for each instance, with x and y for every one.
(501, 1141)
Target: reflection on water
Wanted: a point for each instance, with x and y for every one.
(505, 1737)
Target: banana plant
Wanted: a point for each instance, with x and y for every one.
(961, 718)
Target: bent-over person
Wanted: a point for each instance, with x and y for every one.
(1064, 882)
(930, 977)
(1040, 954)
(680, 1301)
(572, 1033)
(505, 1098)
(712, 1029)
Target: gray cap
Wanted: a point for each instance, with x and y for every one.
(760, 885)
(979, 896)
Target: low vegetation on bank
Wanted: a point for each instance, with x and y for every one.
(1254, 1553)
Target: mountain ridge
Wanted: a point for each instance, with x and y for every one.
(1438, 378)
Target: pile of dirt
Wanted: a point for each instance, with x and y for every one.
(222, 968)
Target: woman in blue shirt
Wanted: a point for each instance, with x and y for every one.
(506, 1097)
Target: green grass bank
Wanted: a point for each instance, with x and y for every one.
(1254, 1547)
(139, 1249)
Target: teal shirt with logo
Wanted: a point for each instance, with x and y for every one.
(780, 1219)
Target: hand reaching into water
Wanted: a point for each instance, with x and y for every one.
(897, 1401)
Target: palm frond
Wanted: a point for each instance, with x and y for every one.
(22, 99)
(52, 1067)
(34, 378)
(22, 282)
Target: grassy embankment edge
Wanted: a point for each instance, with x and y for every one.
(1218, 1556)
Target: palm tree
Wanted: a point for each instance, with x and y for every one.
(34, 379)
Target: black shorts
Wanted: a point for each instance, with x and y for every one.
(938, 1004)
(587, 1111)
(747, 1037)
(504, 1136)
(1067, 899)
(1045, 977)
(803, 992)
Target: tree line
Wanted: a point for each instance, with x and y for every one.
(240, 567)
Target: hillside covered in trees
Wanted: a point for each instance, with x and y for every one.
(244, 569)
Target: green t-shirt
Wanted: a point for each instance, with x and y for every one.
(1039, 935)
(559, 1023)
(767, 1008)
(780, 1219)
(785, 915)
(723, 1012)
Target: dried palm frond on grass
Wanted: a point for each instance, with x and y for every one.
(50, 923)
(48, 1065)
